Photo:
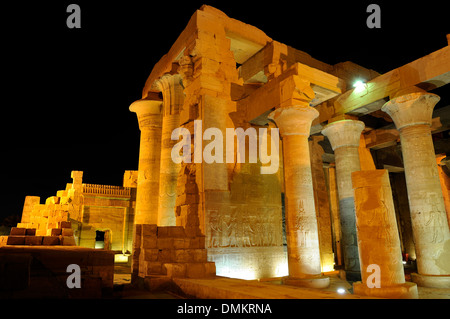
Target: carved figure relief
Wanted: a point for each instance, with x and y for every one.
(435, 220)
(242, 226)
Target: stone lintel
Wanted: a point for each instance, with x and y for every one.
(291, 86)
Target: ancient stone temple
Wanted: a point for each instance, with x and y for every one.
(292, 210)
(86, 215)
(258, 161)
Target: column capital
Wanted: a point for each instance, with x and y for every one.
(411, 109)
(171, 87)
(344, 133)
(145, 111)
(294, 120)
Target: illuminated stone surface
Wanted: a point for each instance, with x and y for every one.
(149, 118)
(301, 223)
(197, 219)
(378, 239)
(411, 112)
(344, 137)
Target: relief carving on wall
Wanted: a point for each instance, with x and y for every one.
(244, 226)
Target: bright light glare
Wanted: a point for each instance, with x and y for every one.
(359, 86)
(341, 291)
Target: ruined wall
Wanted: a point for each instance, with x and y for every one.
(89, 207)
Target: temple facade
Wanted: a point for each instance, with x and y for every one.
(257, 161)
(308, 217)
(100, 216)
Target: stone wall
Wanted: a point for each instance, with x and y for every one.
(89, 207)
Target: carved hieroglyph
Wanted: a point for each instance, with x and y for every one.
(173, 97)
(412, 113)
(378, 240)
(294, 123)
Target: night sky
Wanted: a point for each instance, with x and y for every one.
(68, 90)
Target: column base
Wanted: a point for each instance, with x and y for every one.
(431, 281)
(408, 290)
(317, 281)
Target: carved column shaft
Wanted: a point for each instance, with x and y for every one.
(412, 113)
(173, 97)
(344, 137)
(149, 117)
(302, 237)
(378, 240)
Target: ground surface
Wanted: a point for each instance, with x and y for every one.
(224, 287)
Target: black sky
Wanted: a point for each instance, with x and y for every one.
(68, 90)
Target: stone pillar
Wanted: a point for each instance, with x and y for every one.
(173, 97)
(445, 185)
(412, 113)
(378, 240)
(149, 117)
(344, 137)
(322, 203)
(334, 210)
(294, 123)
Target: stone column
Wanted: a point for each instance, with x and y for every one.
(412, 113)
(149, 117)
(344, 137)
(173, 97)
(294, 123)
(378, 240)
(445, 185)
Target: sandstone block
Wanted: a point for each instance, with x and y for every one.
(67, 241)
(33, 240)
(55, 232)
(154, 267)
(181, 243)
(15, 240)
(166, 255)
(41, 232)
(175, 270)
(183, 255)
(164, 243)
(149, 254)
(30, 232)
(50, 240)
(149, 230)
(51, 225)
(197, 242)
(171, 231)
(42, 225)
(149, 242)
(15, 231)
(138, 229)
(67, 232)
(187, 199)
(52, 200)
(199, 255)
(64, 224)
